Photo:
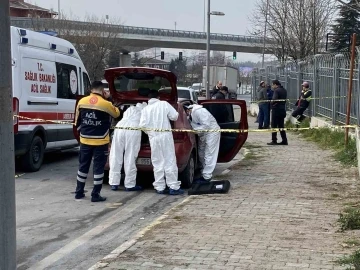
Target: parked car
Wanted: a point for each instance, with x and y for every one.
(184, 93)
(129, 85)
(106, 85)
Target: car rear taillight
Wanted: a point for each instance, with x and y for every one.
(15, 113)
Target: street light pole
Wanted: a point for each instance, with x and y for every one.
(59, 12)
(7, 166)
(264, 38)
(204, 16)
(208, 53)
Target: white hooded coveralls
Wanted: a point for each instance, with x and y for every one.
(209, 143)
(158, 115)
(125, 148)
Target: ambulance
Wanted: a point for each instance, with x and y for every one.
(47, 76)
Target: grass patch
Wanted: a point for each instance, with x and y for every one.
(331, 139)
(352, 261)
(251, 156)
(349, 219)
(252, 146)
(352, 243)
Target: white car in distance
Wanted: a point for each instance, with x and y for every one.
(184, 93)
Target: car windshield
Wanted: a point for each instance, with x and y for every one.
(140, 82)
(184, 94)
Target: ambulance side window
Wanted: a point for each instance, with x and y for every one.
(86, 84)
(67, 82)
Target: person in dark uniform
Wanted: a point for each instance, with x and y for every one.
(221, 111)
(302, 103)
(93, 120)
(222, 93)
(216, 89)
(278, 112)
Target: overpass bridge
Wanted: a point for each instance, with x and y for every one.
(140, 38)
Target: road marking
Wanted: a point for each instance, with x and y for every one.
(67, 249)
(129, 243)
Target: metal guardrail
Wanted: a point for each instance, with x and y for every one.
(53, 24)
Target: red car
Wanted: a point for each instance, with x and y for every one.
(130, 85)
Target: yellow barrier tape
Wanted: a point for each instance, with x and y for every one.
(262, 101)
(191, 130)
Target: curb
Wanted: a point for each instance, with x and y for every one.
(129, 243)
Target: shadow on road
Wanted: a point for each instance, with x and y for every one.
(52, 158)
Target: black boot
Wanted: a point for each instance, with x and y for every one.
(79, 192)
(283, 143)
(95, 194)
(273, 143)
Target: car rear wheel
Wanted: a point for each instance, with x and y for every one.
(187, 176)
(34, 158)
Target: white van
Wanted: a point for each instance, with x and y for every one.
(47, 75)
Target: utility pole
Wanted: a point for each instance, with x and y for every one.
(175, 26)
(7, 159)
(351, 75)
(314, 26)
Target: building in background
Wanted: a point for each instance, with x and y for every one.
(18, 8)
(155, 63)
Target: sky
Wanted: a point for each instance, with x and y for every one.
(188, 14)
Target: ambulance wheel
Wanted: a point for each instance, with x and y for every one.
(34, 158)
(187, 175)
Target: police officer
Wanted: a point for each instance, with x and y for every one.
(278, 107)
(93, 120)
(302, 103)
(216, 89)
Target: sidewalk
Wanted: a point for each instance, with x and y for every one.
(280, 213)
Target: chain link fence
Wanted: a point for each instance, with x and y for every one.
(328, 76)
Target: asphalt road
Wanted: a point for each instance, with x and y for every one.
(55, 231)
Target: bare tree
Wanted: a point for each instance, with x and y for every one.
(295, 28)
(356, 8)
(98, 43)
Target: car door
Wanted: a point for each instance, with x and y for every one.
(235, 118)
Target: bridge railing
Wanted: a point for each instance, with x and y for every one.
(328, 76)
(53, 24)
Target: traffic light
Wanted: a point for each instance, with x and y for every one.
(234, 55)
(162, 55)
(180, 56)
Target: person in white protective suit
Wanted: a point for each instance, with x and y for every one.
(157, 115)
(209, 142)
(125, 148)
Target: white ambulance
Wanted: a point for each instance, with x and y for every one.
(47, 75)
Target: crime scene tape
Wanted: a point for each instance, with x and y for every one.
(191, 130)
(289, 100)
